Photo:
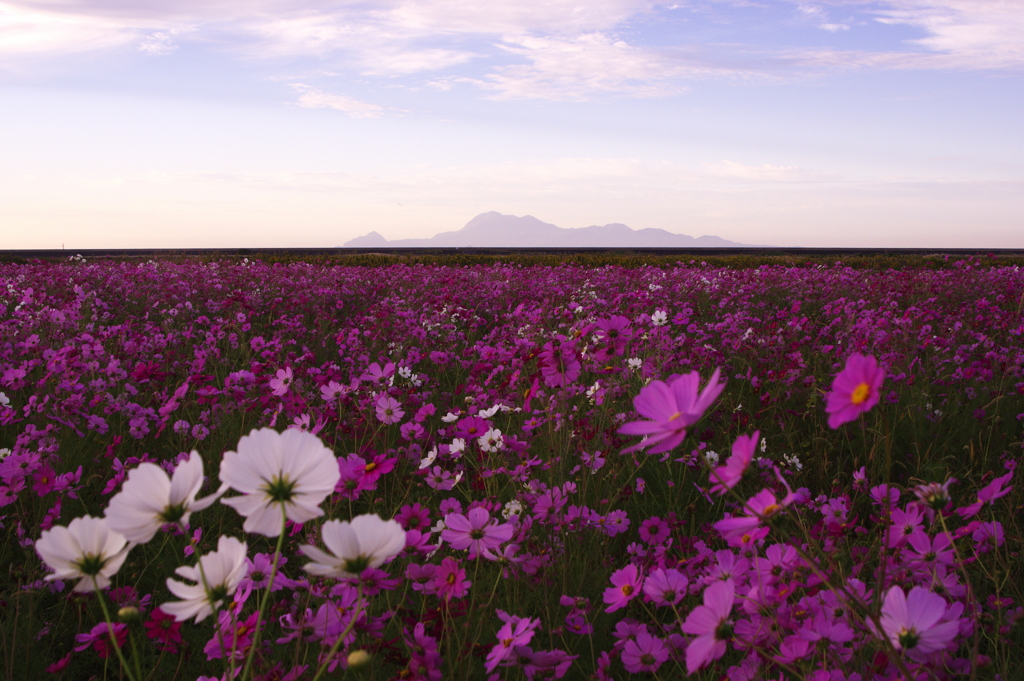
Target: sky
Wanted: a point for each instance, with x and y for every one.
(265, 123)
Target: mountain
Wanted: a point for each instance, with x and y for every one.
(494, 230)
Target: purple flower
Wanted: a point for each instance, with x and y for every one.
(913, 622)
(727, 476)
(388, 410)
(671, 408)
(855, 390)
(989, 493)
(518, 631)
(625, 587)
(645, 654)
(475, 531)
(711, 625)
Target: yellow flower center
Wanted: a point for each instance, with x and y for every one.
(770, 510)
(860, 393)
(674, 416)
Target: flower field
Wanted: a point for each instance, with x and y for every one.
(235, 469)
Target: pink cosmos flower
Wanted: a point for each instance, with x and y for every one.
(855, 389)
(654, 530)
(558, 365)
(645, 654)
(475, 531)
(727, 476)
(450, 580)
(99, 638)
(913, 622)
(518, 631)
(389, 411)
(758, 508)
(665, 587)
(671, 408)
(987, 494)
(626, 585)
(904, 524)
(282, 382)
(711, 625)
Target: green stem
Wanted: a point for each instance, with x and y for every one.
(266, 598)
(110, 629)
(341, 638)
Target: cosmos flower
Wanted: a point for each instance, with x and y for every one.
(644, 654)
(290, 470)
(149, 499)
(518, 631)
(727, 476)
(389, 411)
(221, 571)
(989, 493)
(283, 380)
(87, 550)
(475, 531)
(711, 625)
(366, 542)
(913, 622)
(626, 585)
(671, 408)
(855, 390)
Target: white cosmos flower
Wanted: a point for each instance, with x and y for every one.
(149, 499)
(292, 470)
(87, 550)
(364, 543)
(428, 459)
(222, 571)
(491, 441)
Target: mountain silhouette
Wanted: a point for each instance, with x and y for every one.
(494, 230)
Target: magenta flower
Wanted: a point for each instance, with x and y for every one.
(389, 411)
(558, 365)
(665, 587)
(450, 580)
(671, 408)
(913, 622)
(758, 508)
(987, 494)
(626, 585)
(711, 625)
(904, 524)
(518, 631)
(475, 531)
(645, 654)
(727, 476)
(855, 389)
(279, 385)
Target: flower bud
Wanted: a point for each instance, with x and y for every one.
(358, 658)
(128, 613)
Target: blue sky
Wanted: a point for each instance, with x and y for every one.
(257, 123)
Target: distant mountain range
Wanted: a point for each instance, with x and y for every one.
(494, 230)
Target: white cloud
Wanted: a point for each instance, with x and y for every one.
(764, 173)
(574, 68)
(311, 98)
(525, 49)
(26, 30)
(987, 34)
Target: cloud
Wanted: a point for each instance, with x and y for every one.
(765, 172)
(524, 49)
(311, 98)
(26, 30)
(574, 68)
(985, 34)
